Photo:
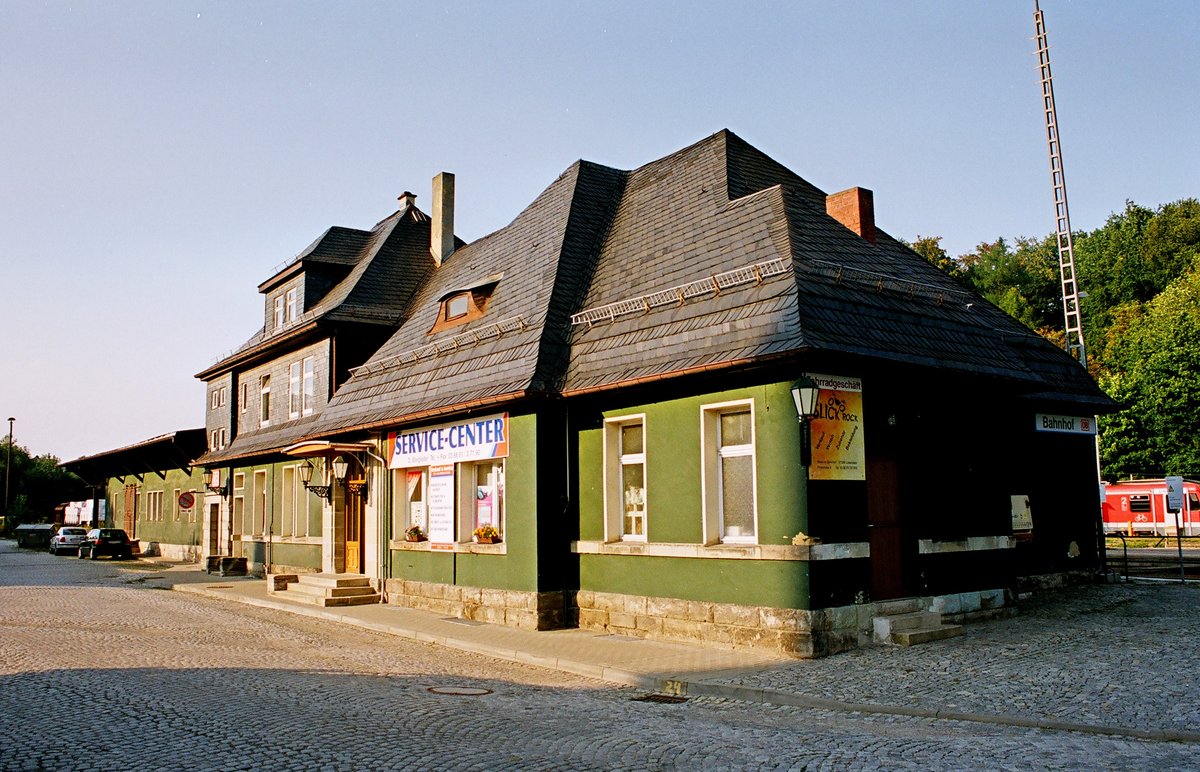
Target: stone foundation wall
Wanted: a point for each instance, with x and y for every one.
(186, 553)
(525, 610)
(793, 632)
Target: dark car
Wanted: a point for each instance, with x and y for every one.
(106, 541)
(67, 539)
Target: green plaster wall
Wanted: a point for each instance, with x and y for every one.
(674, 504)
(284, 553)
(517, 567)
(176, 525)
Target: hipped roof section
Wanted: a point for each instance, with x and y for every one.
(386, 265)
(714, 257)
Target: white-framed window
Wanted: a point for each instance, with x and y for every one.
(175, 506)
(409, 500)
(458, 305)
(293, 308)
(239, 504)
(730, 491)
(481, 496)
(294, 390)
(154, 506)
(260, 503)
(287, 501)
(221, 438)
(625, 478)
(245, 397)
(308, 390)
(264, 398)
(278, 311)
(223, 392)
(214, 399)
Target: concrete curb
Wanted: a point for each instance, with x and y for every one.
(683, 687)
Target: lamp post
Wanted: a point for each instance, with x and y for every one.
(8, 465)
(322, 491)
(805, 392)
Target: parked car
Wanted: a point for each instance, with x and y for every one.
(33, 534)
(106, 541)
(68, 539)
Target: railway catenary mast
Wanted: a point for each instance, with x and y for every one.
(1073, 322)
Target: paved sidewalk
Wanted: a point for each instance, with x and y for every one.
(1112, 660)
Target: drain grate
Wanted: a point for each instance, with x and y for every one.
(462, 691)
(668, 699)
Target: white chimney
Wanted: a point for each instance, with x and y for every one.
(442, 228)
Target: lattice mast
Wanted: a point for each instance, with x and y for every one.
(1073, 322)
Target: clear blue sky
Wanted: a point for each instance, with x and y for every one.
(158, 159)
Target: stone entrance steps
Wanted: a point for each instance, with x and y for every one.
(905, 623)
(330, 590)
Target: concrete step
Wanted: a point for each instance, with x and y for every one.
(913, 637)
(886, 626)
(331, 590)
(899, 606)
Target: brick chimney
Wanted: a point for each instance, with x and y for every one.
(442, 228)
(854, 208)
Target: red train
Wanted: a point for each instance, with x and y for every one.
(1140, 507)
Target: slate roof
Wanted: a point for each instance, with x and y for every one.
(155, 455)
(713, 257)
(386, 266)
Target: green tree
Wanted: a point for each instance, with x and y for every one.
(36, 485)
(1154, 368)
(1023, 282)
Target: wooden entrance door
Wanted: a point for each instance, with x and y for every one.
(214, 529)
(883, 520)
(130, 524)
(354, 531)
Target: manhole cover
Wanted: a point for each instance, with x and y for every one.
(462, 691)
(669, 699)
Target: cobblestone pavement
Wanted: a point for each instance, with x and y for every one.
(99, 670)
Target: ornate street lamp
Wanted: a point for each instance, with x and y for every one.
(322, 491)
(805, 392)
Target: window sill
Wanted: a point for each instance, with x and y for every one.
(840, 551)
(463, 547)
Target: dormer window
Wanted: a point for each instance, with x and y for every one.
(279, 311)
(293, 308)
(465, 304)
(458, 306)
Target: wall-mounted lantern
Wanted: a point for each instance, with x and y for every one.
(805, 392)
(322, 491)
(212, 481)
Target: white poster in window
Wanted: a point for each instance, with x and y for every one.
(441, 504)
(483, 506)
(416, 515)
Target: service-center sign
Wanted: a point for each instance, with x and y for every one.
(471, 440)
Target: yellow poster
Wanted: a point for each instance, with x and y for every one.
(837, 430)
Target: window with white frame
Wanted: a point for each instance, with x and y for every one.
(293, 308)
(221, 438)
(294, 390)
(223, 396)
(481, 496)
(287, 501)
(260, 503)
(239, 504)
(278, 311)
(730, 503)
(212, 440)
(625, 478)
(175, 505)
(154, 506)
(245, 397)
(409, 508)
(264, 397)
(308, 389)
(213, 400)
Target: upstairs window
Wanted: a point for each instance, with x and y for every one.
(294, 390)
(279, 312)
(264, 395)
(465, 304)
(308, 392)
(293, 308)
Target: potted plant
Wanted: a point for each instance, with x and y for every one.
(487, 534)
(414, 533)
